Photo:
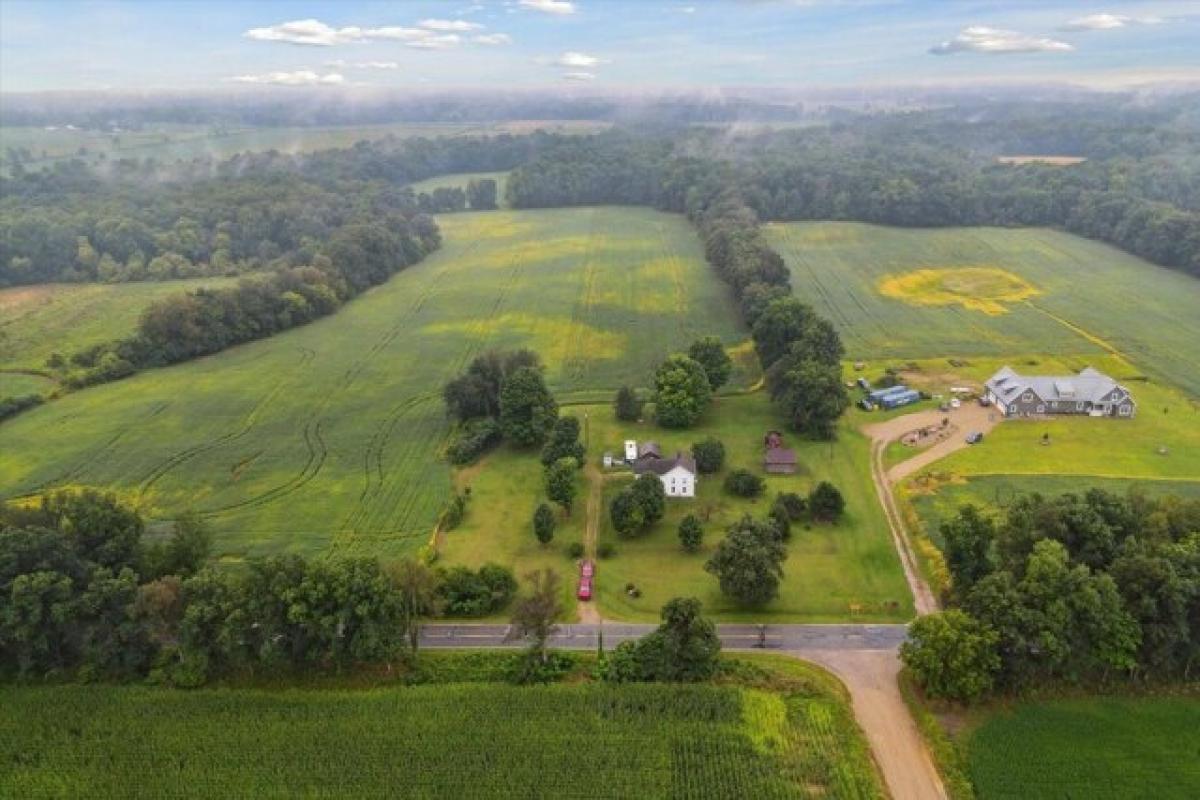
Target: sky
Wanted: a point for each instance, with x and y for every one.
(605, 44)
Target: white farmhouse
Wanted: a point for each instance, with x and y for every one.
(678, 474)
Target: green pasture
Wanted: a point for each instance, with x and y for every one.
(1092, 299)
(829, 567)
(1102, 747)
(783, 731)
(461, 179)
(326, 438)
(36, 321)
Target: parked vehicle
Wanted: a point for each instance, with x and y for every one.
(585, 589)
(864, 384)
(955, 403)
(866, 405)
(586, 568)
(974, 438)
(904, 398)
(878, 395)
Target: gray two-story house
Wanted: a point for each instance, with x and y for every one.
(1090, 392)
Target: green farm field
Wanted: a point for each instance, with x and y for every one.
(325, 438)
(461, 179)
(1108, 748)
(788, 733)
(1091, 299)
(64, 318)
(829, 568)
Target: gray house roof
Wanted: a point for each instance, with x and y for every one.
(1088, 386)
(649, 449)
(661, 466)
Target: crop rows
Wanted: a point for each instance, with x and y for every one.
(465, 740)
(326, 438)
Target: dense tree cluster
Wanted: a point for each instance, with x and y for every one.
(684, 648)
(748, 563)
(503, 394)
(1077, 588)
(150, 221)
(638, 506)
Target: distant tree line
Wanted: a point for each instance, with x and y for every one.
(1076, 589)
(205, 321)
(145, 221)
(899, 170)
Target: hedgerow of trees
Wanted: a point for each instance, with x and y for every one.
(1077, 589)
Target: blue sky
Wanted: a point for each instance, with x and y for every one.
(606, 44)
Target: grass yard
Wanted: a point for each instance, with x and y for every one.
(36, 321)
(829, 568)
(1080, 298)
(788, 733)
(461, 179)
(325, 438)
(1104, 747)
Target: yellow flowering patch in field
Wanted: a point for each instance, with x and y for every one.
(556, 339)
(985, 289)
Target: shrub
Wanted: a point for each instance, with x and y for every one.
(606, 550)
(452, 515)
(544, 523)
(826, 503)
(744, 483)
(709, 455)
(627, 405)
(792, 503)
(11, 406)
(575, 550)
(473, 594)
(476, 438)
(691, 533)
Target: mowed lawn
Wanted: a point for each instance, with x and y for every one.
(794, 738)
(833, 572)
(326, 439)
(1090, 298)
(1105, 748)
(64, 318)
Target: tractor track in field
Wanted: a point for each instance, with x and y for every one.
(180, 458)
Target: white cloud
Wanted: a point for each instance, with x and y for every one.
(305, 31)
(456, 25)
(301, 77)
(341, 63)
(317, 33)
(1106, 22)
(686, 10)
(572, 58)
(492, 38)
(549, 6)
(579, 76)
(982, 39)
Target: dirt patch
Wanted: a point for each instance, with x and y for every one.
(976, 288)
(12, 300)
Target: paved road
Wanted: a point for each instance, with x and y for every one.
(797, 639)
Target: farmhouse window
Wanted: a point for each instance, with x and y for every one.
(1125, 411)
(1027, 397)
(1079, 406)
(1041, 408)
